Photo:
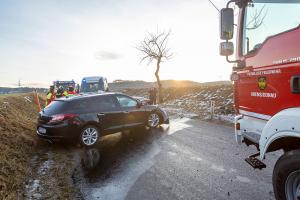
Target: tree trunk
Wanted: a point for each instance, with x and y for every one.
(160, 97)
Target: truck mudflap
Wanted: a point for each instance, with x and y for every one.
(255, 162)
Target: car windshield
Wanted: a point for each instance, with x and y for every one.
(263, 20)
(92, 87)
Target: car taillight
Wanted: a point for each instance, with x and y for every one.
(62, 117)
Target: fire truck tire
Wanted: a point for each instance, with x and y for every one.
(286, 176)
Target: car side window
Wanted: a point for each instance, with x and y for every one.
(81, 106)
(126, 102)
(106, 103)
(95, 104)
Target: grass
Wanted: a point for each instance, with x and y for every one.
(19, 144)
(18, 141)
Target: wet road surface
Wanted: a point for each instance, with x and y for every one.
(190, 159)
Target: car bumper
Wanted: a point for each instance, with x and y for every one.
(47, 137)
(58, 132)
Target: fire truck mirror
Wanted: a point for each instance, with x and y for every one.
(226, 48)
(226, 23)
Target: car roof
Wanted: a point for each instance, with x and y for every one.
(85, 96)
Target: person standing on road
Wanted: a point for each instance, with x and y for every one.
(151, 96)
(50, 95)
(154, 95)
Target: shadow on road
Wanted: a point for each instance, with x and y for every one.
(109, 154)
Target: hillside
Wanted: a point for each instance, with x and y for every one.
(123, 84)
(196, 100)
(8, 90)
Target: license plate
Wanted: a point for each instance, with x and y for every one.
(42, 130)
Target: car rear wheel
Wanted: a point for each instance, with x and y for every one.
(89, 136)
(286, 176)
(153, 120)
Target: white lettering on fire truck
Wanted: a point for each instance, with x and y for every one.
(288, 60)
(267, 72)
(264, 95)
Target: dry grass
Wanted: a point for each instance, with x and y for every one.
(18, 141)
(173, 93)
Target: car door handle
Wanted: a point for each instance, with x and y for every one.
(100, 114)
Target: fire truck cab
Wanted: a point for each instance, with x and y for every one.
(266, 78)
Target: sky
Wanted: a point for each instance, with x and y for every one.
(43, 41)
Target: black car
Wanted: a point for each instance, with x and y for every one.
(88, 117)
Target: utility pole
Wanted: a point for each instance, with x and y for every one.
(19, 83)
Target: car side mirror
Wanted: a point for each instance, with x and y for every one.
(226, 48)
(226, 23)
(139, 104)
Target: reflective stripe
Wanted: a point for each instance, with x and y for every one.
(256, 115)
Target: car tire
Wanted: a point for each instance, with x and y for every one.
(286, 176)
(89, 135)
(153, 120)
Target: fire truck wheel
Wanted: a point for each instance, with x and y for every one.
(286, 176)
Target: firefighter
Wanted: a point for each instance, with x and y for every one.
(71, 91)
(50, 95)
(59, 92)
(77, 89)
(65, 93)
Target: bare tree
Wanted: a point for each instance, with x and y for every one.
(257, 18)
(155, 48)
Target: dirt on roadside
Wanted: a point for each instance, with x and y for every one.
(29, 167)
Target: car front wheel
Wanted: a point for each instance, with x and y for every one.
(89, 136)
(153, 120)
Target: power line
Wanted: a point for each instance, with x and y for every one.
(214, 6)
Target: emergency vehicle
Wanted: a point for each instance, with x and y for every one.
(266, 78)
(94, 84)
(65, 84)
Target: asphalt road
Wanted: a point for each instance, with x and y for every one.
(190, 159)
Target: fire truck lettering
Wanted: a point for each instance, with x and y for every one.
(264, 95)
(267, 72)
(288, 60)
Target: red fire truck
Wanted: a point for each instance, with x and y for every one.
(266, 77)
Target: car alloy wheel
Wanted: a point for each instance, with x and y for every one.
(89, 136)
(153, 120)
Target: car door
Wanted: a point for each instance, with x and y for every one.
(133, 114)
(109, 113)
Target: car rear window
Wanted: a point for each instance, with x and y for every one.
(56, 107)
